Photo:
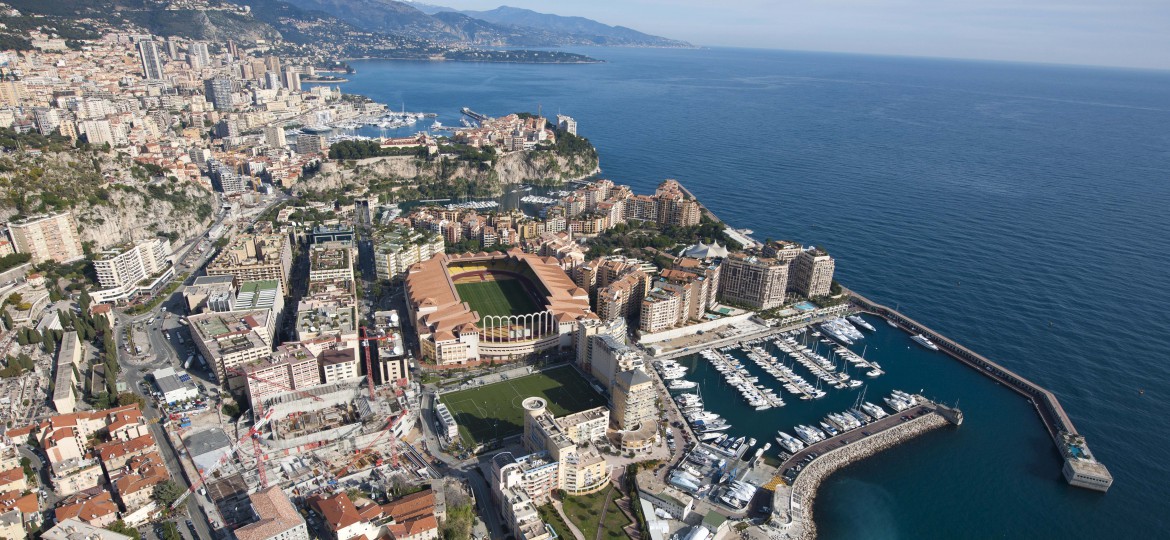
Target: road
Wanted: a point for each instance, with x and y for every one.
(474, 471)
(166, 351)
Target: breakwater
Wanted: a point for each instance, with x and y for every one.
(1080, 468)
(804, 489)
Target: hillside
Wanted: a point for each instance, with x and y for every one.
(594, 32)
(504, 26)
(110, 196)
(403, 32)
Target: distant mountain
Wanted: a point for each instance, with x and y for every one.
(504, 26)
(599, 33)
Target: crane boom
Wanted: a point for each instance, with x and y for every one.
(255, 429)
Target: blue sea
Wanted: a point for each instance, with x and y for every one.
(1023, 210)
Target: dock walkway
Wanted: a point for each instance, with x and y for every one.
(833, 454)
(1081, 469)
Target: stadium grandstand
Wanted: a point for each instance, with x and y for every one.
(492, 306)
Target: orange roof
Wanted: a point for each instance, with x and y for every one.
(277, 514)
(337, 510)
(20, 432)
(14, 474)
(411, 507)
(13, 500)
(413, 527)
(86, 507)
(117, 449)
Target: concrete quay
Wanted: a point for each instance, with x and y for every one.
(797, 520)
(1080, 468)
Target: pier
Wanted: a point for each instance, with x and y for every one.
(793, 504)
(1080, 469)
(481, 118)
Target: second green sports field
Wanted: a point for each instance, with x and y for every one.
(494, 411)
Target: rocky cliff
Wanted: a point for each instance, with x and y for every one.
(112, 199)
(543, 167)
(185, 211)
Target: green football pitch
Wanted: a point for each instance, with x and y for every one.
(497, 297)
(494, 411)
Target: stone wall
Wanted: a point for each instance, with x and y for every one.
(804, 490)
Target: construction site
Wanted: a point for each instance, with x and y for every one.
(312, 440)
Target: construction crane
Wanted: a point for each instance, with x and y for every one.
(255, 429)
(369, 360)
(261, 470)
(393, 444)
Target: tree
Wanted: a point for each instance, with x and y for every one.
(166, 493)
(49, 342)
(231, 410)
(128, 398)
(84, 302)
(170, 531)
(121, 527)
(7, 317)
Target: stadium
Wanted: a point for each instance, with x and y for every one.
(492, 306)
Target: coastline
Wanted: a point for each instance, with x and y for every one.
(803, 492)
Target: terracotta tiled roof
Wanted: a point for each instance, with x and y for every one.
(411, 507)
(413, 527)
(87, 507)
(277, 514)
(337, 510)
(10, 500)
(116, 449)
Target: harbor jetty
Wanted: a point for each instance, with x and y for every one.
(798, 522)
(1080, 468)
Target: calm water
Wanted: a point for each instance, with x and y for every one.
(1020, 209)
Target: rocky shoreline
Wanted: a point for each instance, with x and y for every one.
(804, 490)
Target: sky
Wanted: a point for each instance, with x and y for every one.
(1121, 33)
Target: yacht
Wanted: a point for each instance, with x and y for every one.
(832, 431)
(897, 403)
(891, 323)
(790, 443)
(856, 319)
(808, 434)
(708, 428)
(680, 384)
(873, 410)
(924, 341)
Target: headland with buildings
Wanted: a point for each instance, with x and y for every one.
(343, 368)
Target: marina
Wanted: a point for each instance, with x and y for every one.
(1080, 468)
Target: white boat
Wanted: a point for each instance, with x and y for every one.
(924, 341)
(856, 319)
(832, 431)
(891, 323)
(897, 403)
(790, 443)
(874, 410)
(681, 384)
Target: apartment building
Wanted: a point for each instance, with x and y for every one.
(757, 282)
(230, 339)
(47, 237)
(255, 257)
(397, 248)
(131, 270)
(812, 273)
(275, 518)
(634, 400)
